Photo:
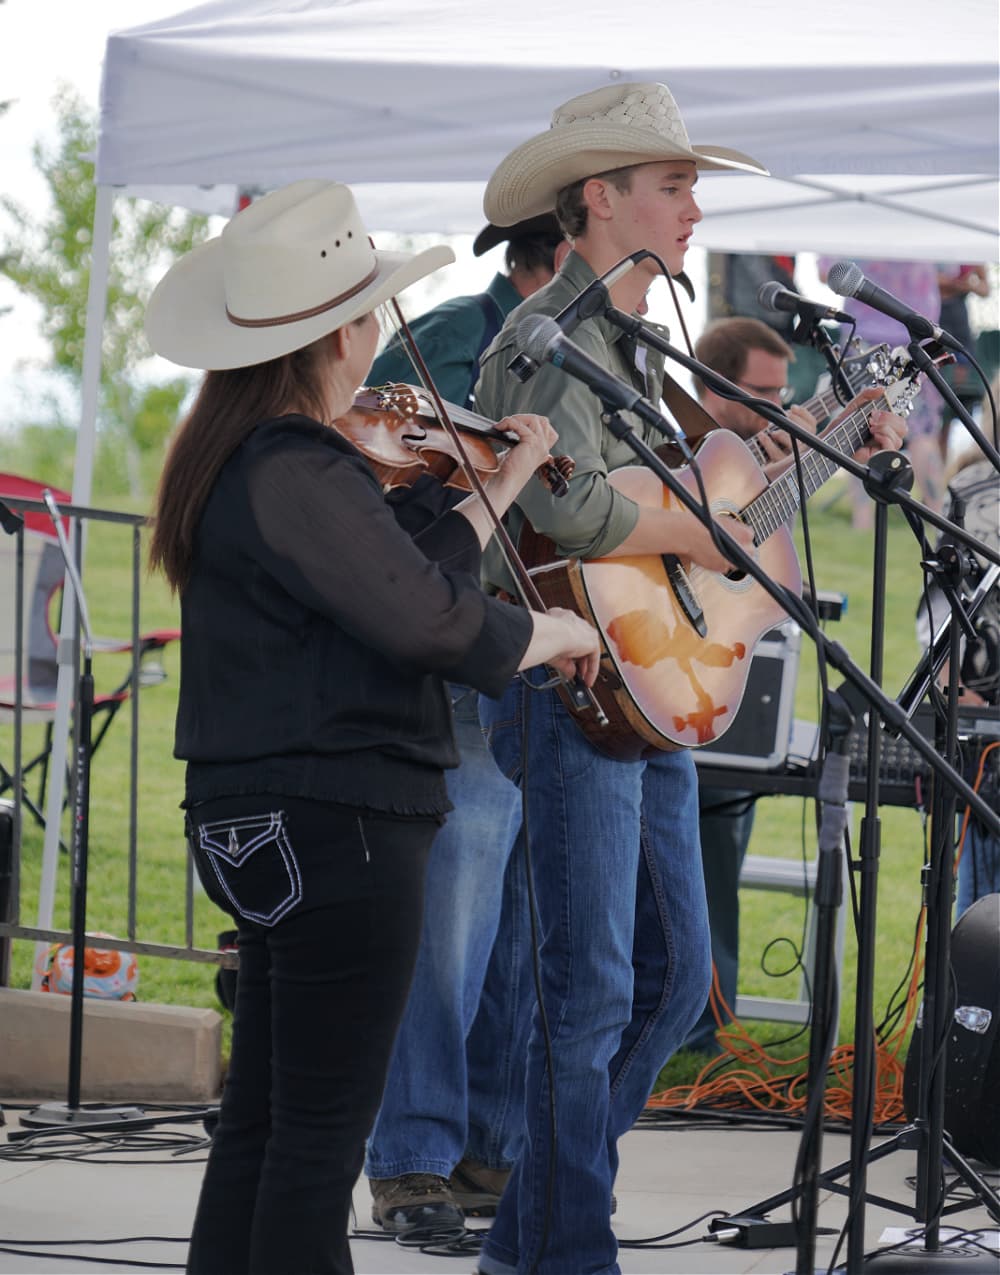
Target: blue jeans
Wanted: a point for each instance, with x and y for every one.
(442, 1101)
(625, 970)
(979, 870)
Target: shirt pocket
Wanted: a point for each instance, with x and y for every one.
(254, 863)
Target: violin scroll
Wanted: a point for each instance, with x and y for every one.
(556, 472)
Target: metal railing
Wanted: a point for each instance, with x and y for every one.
(11, 925)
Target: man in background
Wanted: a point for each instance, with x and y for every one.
(452, 336)
(446, 1134)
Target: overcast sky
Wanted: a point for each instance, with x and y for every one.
(43, 43)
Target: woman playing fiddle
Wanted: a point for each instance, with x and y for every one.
(319, 623)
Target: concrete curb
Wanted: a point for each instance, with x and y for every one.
(131, 1050)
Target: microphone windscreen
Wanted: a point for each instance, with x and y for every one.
(845, 278)
(768, 293)
(534, 334)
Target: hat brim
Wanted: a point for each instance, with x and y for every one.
(186, 319)
(526, 183)
(491, 235)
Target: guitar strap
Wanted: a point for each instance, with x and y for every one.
(689, 414)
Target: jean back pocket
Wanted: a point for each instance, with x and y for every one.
(254, 863)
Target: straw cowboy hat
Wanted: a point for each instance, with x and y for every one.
(286, 270)
(608, 128)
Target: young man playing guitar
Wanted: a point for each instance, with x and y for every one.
(614, 844)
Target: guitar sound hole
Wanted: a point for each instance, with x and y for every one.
(735, 575)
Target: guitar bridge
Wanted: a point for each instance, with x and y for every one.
(683, 592)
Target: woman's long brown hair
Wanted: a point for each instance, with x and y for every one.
(228, 408)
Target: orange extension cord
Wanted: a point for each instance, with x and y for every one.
(747, 1077)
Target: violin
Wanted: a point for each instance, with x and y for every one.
(556, 471)
(398, 430)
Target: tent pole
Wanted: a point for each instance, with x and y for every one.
(83, 471)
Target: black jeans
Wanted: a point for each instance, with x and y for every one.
(327, 903)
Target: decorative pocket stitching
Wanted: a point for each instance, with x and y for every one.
(230, 850)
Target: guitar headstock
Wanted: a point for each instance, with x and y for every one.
(857, 367)
(900, 376)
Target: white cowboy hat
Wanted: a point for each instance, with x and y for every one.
(285, 271)
(608, 128)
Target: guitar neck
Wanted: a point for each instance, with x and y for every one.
(780, 503)
(820, 407)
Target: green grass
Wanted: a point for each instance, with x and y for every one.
(784, 825)
(160, 840)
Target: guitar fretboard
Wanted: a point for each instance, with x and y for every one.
(780, 503)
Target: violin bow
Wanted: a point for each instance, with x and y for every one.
(581, 695)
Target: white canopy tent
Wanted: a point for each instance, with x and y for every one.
(884, 106)
(879, 122)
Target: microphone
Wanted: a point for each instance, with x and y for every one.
(592, 300)
(845, 278)
(543, 341)
(772, 296)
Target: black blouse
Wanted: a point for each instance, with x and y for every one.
(317, 631)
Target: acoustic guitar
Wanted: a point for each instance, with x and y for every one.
(676, 646)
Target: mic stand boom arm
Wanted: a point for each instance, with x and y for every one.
(926, 364)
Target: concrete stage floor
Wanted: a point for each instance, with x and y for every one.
(669, 1176)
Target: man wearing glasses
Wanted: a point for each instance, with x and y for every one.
(754, 357)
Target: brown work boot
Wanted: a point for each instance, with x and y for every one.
(414, 1202)
(477, 1188)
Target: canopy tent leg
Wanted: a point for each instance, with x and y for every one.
(83, 472)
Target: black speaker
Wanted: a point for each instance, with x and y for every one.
(759, 736)
(972, 1055)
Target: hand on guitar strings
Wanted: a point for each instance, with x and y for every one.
(775, 443)
(886, 428)
(701, 548)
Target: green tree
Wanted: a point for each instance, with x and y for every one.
(49, 260)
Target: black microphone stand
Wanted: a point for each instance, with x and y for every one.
(926, 1132)
(927, 365)
(810, 331)
(886, 479)
(53, 1117)
(71, 1112)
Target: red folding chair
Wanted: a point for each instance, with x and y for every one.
(43, 574)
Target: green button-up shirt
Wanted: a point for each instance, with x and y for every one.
(449, 338)
(593, 518)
